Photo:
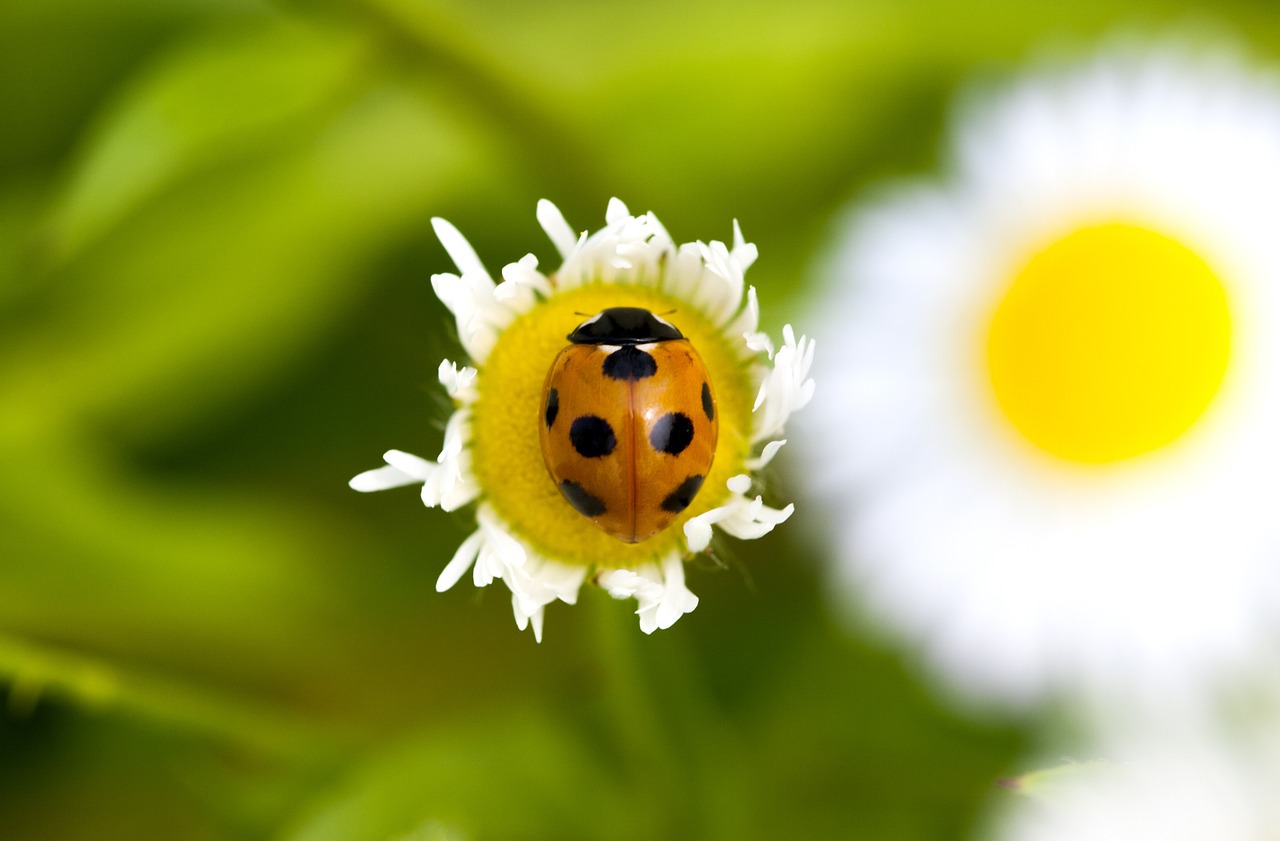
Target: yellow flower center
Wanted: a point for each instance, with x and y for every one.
(506, 453)
(1111, 342)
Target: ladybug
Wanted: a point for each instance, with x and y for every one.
(628, 422)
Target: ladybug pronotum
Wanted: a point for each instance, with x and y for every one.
(628, 422)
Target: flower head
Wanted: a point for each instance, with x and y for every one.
(529, 536)
(1058, 380)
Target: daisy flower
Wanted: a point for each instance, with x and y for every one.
(1181, 787)
(1056, 386)
(528, 534)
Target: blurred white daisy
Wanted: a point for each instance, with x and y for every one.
(1051, 440)
(528, 535)
(1180, 787)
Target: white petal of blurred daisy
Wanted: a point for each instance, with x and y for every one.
(529, 536)
(1180, 787)
(1052, 435)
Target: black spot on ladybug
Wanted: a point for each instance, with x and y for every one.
(707, 406)
(679, 499)
(553, 406)
(629, 363)
(672, 433)
(587, 504)
(592, 436)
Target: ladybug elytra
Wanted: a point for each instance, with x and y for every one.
(628, 422)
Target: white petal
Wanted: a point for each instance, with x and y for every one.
(786, 387)
(759, 343)
(521, 280)
(463, 255)
(458, 382)
(659, 591)
(452, 292)
(738, 516)
(460, 563)
(756, 520)
(616, 212)
(747, 324)
(744, 252)
(408, 463)
(697, 530)
(380, 479)
(677, 600)
(766, 456)
(402, 469)
(536, 619)
(558, 230)
(456, 490)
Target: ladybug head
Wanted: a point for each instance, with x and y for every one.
(624, 326)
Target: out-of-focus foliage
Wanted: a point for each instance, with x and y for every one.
(214, 309)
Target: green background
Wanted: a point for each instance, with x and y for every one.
(214, 309)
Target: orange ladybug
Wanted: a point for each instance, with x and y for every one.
(628, 423)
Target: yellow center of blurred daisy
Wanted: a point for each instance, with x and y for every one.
(507, 455)
(1110, 343)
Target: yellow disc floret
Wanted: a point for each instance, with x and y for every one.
(506, 454)
(1109, 343)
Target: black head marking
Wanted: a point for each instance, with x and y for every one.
(553, 407)
(624, 326)
(672, 433)
(630, 363)
(708, 405)
(587, 504)
(592, 436)
(679, 499)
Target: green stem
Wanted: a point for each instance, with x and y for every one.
(691, 748)
(33, 671)
(632, 707)
(720, 766)
(655, 769)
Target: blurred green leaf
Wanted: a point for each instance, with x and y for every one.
(225, 585)
(431, 830)
(213, 100)
(68, 776)
(209, 290)
(519, 774)
(237, 247)
(22, 204)
(33, 671)
(516, 106)
(59, 59)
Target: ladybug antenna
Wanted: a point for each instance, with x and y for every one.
(671, 311)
